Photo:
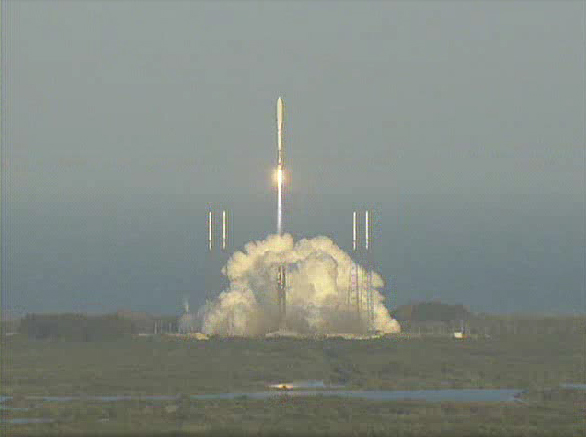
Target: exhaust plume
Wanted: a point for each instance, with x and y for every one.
(318, 281)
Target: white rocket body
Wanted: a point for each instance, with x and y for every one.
(210, 230)
(280, 166)
(280, 132)
(224, 235)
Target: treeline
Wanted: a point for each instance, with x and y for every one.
(149, 323)
(439, 318)
(9, 326)
(431, 312)
(75, 327)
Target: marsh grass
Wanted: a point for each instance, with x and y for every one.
(160, 366)
(313, 416)
(167, 366)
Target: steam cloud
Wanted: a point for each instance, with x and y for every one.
(318, 279)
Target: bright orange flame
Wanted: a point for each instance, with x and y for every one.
(278, 176)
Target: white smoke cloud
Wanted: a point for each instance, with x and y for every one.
(318, 280)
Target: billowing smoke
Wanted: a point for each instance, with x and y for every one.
(318, 281)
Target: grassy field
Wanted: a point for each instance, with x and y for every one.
(162, 365)
(561, 415)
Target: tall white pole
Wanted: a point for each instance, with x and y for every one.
(366, 230)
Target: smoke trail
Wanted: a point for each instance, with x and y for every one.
(318, 278)
(279, 201)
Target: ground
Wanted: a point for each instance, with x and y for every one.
(164, 365)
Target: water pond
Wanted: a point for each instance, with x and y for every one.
(28, 421)
(452, 395)
(465, 395)
(318, 388)
(574, 386)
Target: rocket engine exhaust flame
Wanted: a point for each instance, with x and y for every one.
(318, 277)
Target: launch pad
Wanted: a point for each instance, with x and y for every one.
(272, 297)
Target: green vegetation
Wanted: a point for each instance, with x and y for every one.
(168, 365)
(9, 325)
(311, 416)
(75, 327)
(83, 327)
(160, 365)
(439, 318)
(431, 311)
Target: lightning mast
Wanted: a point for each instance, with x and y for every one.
(223, 237)
(354, 288)
(218, 239)
(369, 289)
(360, 285)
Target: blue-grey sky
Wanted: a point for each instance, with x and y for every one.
(461, 124)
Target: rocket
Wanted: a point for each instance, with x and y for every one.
(280, 164)
(280, 132)
(210, 230)
(282, 270)
(224, 229)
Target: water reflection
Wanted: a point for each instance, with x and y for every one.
(28, 421)
(315, 384)
(292, 389)
(464, 395)
(112, 398)
(3, 407)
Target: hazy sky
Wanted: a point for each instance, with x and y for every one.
(461, 124)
